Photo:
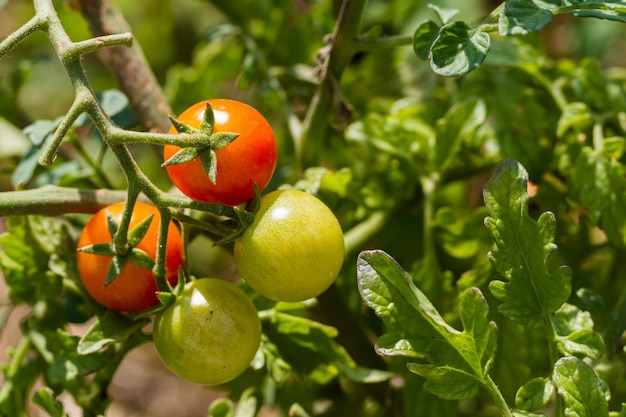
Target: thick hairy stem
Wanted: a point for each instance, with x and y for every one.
(129, 65)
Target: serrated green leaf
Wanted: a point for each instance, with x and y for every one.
(581, 389)
(424, 37)
(458, 49)
(26, 251)
(598, 182)
(529, 292)
(520, 17)
(182, 157)
(534, 394)
(308, 346)
(457, 124)
(575, 334)
(115, 268)
(110, 328)
(209, 163)
(138, 232)
(416, 330)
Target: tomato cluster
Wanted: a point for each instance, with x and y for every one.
(292, 251)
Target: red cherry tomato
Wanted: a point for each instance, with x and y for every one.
(135, 288)
(249, 160)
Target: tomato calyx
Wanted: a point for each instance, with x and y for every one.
(121, 255)
(208, 157)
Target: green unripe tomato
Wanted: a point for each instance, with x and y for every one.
(294, 248)
(210, 334)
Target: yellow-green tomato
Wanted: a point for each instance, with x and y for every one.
(210, 333)
(294, 248)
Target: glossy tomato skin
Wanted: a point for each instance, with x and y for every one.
(210, 334)
(294, 248)
(135, 288)
(250, 159)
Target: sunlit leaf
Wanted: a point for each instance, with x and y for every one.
(458, 49)
(416, 330)
(534, 395)
(110, 328)
(581, 389)
(530, 292)
(520, 17)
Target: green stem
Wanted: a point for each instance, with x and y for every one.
(11, 41)
(309, 144)
(497, 397)
(54, 201)
(359, 235)
(553, 353)
(159, 269)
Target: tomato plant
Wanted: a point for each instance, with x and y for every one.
(473, 159)
(210, 334)
(134, 288)
(248, 161)
(294, 248)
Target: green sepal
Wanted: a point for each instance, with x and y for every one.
(222, 139)
(166, 299)
(141, 259)
(208, 121)
(115, 269)
(182, 127)
(208, 158)
(182, 157)
(102, 249)
(112, 224)
(137, 233)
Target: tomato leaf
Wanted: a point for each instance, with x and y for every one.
(111, 327)
(458, 49)
(115, 268)
(307, 346)
(535, 394)
(529, 292)
(137, 233)
(222, 139)
(600, 9)
(209, 163)
(581, 389)
(598, 182)
(574, 333)
(182, 157)
(222, 407)
(444, 14)
(416, 330)
(520, 17)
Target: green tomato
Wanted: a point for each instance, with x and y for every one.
(294, 248)
(210, 334)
